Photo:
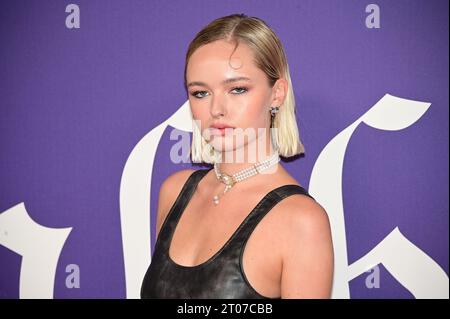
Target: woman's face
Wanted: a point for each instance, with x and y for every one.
(218, 96)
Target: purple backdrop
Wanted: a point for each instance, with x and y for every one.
(75, 102)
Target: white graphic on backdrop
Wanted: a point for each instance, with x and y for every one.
(39, 246)
(407, 263)
(135, 188)
(415, 270)
(422, 276)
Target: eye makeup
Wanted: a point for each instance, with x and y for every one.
(241, 90)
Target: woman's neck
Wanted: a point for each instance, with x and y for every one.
(240, 159)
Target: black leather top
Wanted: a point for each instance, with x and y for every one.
(222, 275)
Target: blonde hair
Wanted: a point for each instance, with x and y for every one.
(270, 57)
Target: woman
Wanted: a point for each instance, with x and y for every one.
(244, 228)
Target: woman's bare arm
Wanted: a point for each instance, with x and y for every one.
(307, 252)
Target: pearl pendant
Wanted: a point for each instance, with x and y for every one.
(216, 199)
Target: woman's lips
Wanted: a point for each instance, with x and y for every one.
(221, 131)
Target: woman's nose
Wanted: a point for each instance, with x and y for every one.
(218, 108)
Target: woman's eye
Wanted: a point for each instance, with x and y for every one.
(196, 94)
(236, 90)
(241, 89)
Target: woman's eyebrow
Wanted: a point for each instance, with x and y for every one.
(227, 81)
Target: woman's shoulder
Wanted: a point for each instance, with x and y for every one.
(179, 176)
(173, 184)
(300, 206)
(300, 218)
(169, 191)
(298, 210)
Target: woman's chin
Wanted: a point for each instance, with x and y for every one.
(225, 146)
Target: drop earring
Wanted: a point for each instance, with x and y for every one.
(273, 111)
(273, 135)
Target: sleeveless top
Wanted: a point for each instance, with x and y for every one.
(222, 275)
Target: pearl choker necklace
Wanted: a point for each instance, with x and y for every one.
(230, 180)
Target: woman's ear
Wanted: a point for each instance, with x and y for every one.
(279, 92)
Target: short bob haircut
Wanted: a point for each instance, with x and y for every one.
(270, 57)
